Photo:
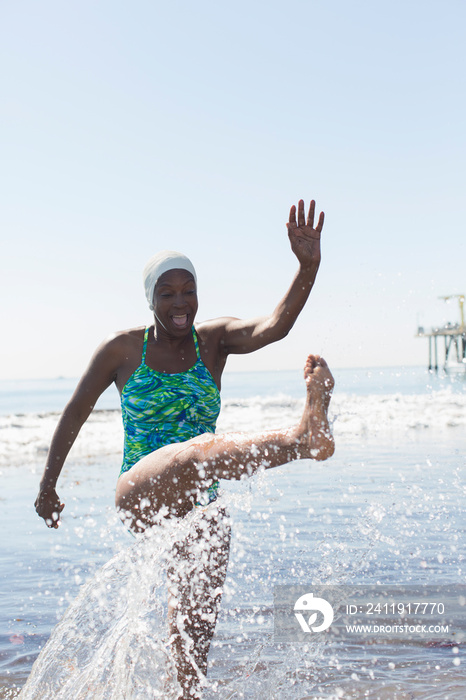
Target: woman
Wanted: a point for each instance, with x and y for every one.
(169, 376)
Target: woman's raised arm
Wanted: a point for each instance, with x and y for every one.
(243, 336)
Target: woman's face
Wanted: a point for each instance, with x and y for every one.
(175, 301)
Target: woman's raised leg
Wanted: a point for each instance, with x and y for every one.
(174, 475)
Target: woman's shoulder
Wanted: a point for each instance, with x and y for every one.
(114, 355)
(129, 334)
(124, 342)
(213, 330)
(213, 326)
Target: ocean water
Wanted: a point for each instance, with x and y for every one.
(388, 508)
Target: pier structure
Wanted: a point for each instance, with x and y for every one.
(454, 337)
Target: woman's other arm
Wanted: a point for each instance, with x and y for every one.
(98, 376)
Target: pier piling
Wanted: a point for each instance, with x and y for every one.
(454, 334)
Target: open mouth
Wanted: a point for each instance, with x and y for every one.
(180, 321)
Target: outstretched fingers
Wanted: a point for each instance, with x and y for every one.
(300, 221)
(320, 223)
(301, 217)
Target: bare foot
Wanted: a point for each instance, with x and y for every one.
(319, 381)
(314, 431)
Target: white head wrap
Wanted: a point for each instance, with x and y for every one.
(160, 263)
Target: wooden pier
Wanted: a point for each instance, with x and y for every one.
(454, 336)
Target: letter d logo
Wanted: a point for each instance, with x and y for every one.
(307, 603)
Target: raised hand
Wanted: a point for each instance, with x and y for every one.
(304, 238)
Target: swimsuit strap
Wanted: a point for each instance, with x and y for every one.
(146, 336)
(196, 343)
(144, 347)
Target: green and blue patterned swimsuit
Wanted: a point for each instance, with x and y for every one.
(160, 409)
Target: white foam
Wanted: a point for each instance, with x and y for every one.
(27, 437)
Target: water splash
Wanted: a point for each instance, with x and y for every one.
(112, 640)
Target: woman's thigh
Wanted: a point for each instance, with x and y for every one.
(168, 477)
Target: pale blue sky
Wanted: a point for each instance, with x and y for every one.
(132, 127)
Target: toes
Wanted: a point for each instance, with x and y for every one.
(314, 361)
